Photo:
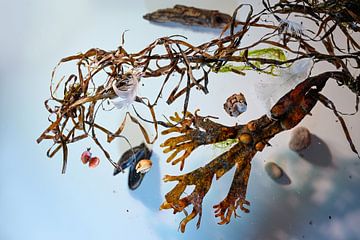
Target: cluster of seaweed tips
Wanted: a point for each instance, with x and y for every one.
(165, 205)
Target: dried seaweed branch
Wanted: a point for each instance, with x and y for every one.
(194, 130)
(120, 67)
(253, 137)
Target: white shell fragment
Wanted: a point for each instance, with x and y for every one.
(143, 166)
(273, 170)
(300, 139)
(235, 105)
(126, 94)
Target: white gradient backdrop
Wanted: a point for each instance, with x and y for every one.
(38, 203)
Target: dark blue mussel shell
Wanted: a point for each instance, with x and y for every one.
(129, 159)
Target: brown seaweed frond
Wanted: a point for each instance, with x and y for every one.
(252, 137)
(194, 130)
(99, 73)
(201, 178)
(76, 108)
(331, 17)
(107, 75)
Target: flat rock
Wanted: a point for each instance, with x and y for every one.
(300, 139)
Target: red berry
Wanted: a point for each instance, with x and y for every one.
(94, 162)
(85, 157)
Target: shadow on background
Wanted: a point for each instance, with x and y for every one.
(148, 192)
(318, 153)
(300, 217)
(197, 29)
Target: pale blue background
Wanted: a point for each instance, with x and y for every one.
(38, 203)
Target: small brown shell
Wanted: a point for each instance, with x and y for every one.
(143, 166)
(273, 170)
(235, 105)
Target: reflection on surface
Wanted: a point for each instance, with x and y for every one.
(323, 206)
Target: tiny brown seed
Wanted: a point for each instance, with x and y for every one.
(94, 162)
(85, 157)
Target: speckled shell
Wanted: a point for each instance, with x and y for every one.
(235, 105)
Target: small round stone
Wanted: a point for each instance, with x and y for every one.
(273, 170)
(300, 139)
